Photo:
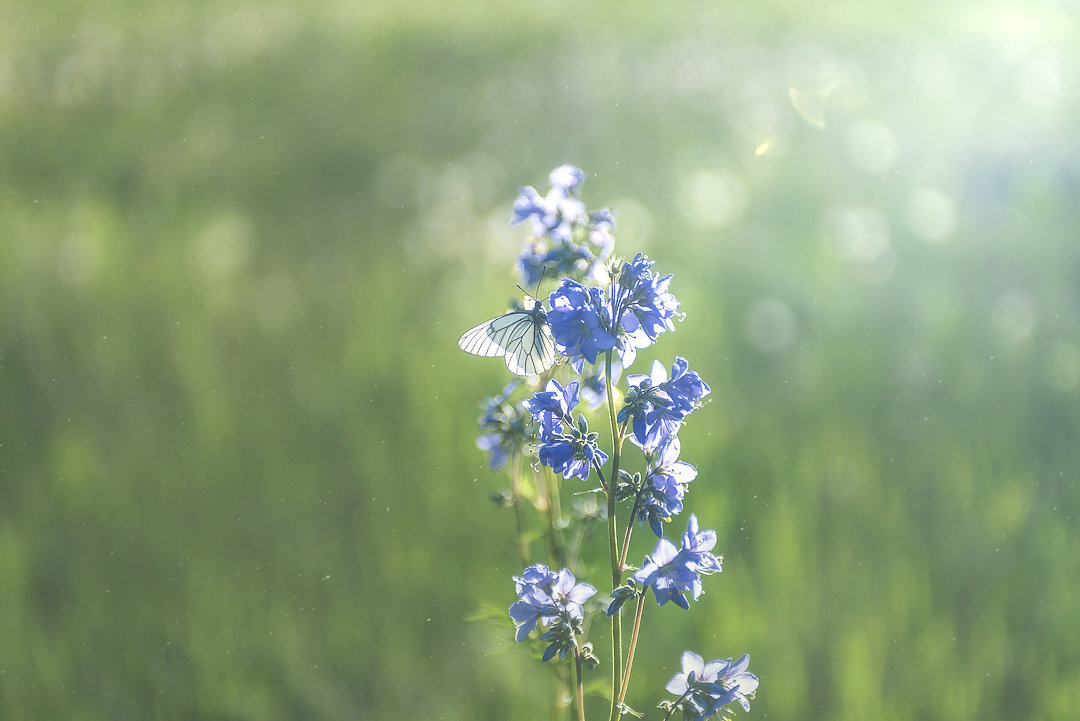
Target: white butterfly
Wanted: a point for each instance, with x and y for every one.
(522, 337)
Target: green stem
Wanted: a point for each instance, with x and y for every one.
(548, 493)
(613, 545)
(580, 684)
(633, 645)
(519, 512)
(630, 520)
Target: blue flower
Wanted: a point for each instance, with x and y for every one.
(579, 320)
(552, 407)
(672, 573)
(567, 178)
(537, 575)
(704, 689)
(567, 241)
(657, 404)
(665, 575)
(506, 428)
(684, 387)
(548, 598)
(565, 447)
(661, 494)
(562, 259)
(534, 606)
(554, 215)
(531, 264)
(601, 224)
(641, 305)
(647, 306)
(573, 451)
(697, 547)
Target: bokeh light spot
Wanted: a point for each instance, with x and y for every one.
(633, 221)
(712, 198)
(873, 146)
(224, 246)
(860, 236)
(931, 215)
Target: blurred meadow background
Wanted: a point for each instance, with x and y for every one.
(238, 242)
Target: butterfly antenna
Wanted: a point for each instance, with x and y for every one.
(533, 294)
(543, 270)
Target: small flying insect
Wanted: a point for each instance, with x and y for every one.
(522, 336)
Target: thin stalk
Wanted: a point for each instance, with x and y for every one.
(519, 512)
(673, 705)
(554, 519)
(626, 538)
(580, 684)
(613, 547)
(633, 645)
(629, 522)
(548, 505)
(600, 472)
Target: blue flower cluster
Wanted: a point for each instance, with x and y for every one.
(660, 495)
(505, 428)
(672, 573)
(581, 322)
(566, 238)
(551, 598)
(565, 446)
(656, 404)
(705, 689)
(602, 311)
(627, 316)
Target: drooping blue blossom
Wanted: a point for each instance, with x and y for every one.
(561, 259)
(660, 495)
(532, 264)
(567, 178)
(537, 575)
(573, 452)
(552, 407)
(505, 428)
(672, 573)
(668, 577)
(657, 405)
(644, 305)
(553, 599)
(704, 689)
(698, 545)
(557, 213)
(579, 320)
(684, 387)
(601, 224)
(565, 446)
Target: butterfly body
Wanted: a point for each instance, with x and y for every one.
(523, 337)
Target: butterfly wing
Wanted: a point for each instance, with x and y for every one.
(523, 338)
(532, 351)
(487, 339)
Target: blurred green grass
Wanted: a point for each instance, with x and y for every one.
(237, 242)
